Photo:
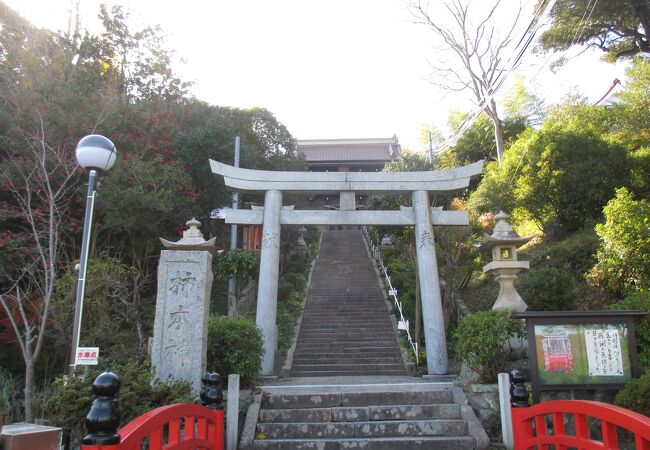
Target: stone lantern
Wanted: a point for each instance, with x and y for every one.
(504, 266)
(301, 248)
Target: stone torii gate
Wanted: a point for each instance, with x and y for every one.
(348, 184)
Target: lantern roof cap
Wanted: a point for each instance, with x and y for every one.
(503, 234)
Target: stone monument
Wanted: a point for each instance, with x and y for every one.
(504, 266)
(182, 307)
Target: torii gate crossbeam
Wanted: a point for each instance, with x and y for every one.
(421, 215)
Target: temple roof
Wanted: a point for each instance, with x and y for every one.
(339, 150)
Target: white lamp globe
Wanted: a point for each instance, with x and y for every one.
(96, 152)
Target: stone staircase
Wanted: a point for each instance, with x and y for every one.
(383, 416)
(345, 329)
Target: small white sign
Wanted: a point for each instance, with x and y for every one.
(604, 354)
(403, 325)
(392, 292)
(87, 356)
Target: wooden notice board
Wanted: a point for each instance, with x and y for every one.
(573, 350)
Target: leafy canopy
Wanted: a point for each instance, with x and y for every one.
(543, 176)
(620, 28)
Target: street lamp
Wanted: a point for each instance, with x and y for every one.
(94, 152)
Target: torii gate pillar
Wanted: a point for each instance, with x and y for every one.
(434, 325)
(267, 294)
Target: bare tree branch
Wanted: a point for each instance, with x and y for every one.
(478, 51)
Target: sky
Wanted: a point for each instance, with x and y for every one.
(327, 69)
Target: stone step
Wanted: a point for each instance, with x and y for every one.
(356, 365)
(375, 314)
(300, 360)
(387, 443)
(343, 373)
(315, 399)
(324, 336)
(342, 321)
(346, 346)
(348, 332)
(298, 430)
(348, 355)
(362, 413)
(311, 351)
(377, 321)
(349, 342)
(352, 313)
(377, 309)
(353, 289)
(339, 327)
(348, 352)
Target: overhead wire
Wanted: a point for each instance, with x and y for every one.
(583, 23)
(576, 38)
(529, 34)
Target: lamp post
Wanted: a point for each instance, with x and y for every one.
(94, 152)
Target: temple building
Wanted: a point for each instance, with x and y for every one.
(346, 155)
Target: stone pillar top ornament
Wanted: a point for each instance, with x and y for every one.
(192, 240)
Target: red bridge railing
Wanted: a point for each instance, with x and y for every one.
(573, 424)
(181, 426)
(172, 427)
(530, 429)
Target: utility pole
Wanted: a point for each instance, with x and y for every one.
(232, 295)
(430, 148)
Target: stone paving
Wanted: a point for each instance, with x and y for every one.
(346, 329)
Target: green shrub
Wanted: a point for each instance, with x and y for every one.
(234, 346)
(624, 252)
(639, 300)
(575, 252)
(636, 395)
(240, 264)
(71, 397)
(289, 308)
(548, 289)
(10, 396)
(481, 341)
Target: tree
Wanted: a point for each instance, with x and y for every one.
(139, 60)
(477, 142)
(543, 175)
(208, 132)
(40, 183)
(54, 89)
(620, 28)
(520, 104)
(478, 52)
(624, 251)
